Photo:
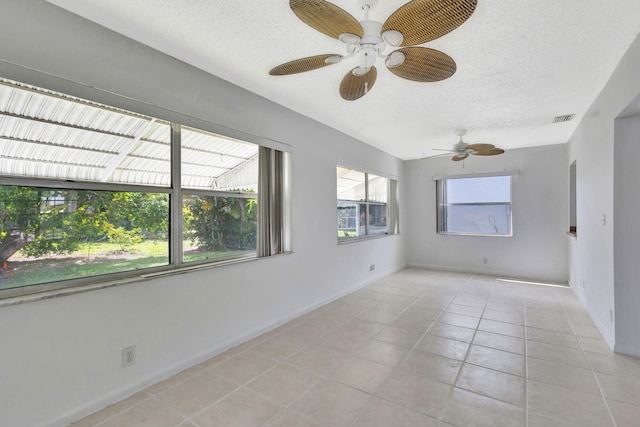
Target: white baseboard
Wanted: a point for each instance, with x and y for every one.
(485, 272)
(607, 337)
(119, 395)
(626, 350)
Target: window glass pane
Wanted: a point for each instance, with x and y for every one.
(48, 135)
(50, 234)
(479, 219)
(218, 227)
(378, 189)
(351, 219)
(475, 205)
(378, 199)
(377, 218)
(213, 162)
(351, 184)
(479, 190)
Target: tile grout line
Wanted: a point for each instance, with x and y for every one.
(412, 349)
(287, 406)
(593, 373)
(453, 388)
(438, 290)
(375, 395)
(316, 342)
(149, 396)
(426, 332)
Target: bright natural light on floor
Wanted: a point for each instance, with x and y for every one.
(526, 282)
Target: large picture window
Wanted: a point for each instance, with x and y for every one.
(367, 204)
(474, 205)
(88, 190)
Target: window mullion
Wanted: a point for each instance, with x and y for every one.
(366, 196)
(175, 231)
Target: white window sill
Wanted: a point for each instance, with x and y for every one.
(365, 238)
(72, 290)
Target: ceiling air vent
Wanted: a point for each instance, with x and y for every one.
(565, 118)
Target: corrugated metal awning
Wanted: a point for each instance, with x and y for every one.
(48, 135)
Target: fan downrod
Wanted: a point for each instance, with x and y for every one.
(366, 4)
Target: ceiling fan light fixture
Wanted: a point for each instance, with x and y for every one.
(360, 71)
(334, 59)
(393, 38)
(395, 59)
(349, 38)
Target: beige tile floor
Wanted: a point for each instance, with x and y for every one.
(418, 348)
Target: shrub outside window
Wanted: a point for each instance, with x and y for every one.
(474, 205)
(218, 227)
(50, 234)
(366, 204)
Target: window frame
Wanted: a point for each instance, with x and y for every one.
(174, 191)
(442, 204)
(367, 202)
(87, 280)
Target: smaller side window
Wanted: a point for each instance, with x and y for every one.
(366, 204)
(474, 206)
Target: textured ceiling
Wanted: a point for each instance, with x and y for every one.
(520, 63)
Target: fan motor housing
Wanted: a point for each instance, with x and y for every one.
(372, 31)
(460, 147)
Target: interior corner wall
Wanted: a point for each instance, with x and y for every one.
(591, 254)
(540, 203)
(61, 356)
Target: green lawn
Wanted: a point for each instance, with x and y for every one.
(97, 259)
(351, 232)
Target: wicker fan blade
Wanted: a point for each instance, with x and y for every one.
(354, 87)
(490, 152)
(326, 17)
(480, 147)
(302, 65)
(422, 64)
(421, 21)
(459, 157)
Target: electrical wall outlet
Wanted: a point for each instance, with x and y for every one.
(372, 267)
(129, 356)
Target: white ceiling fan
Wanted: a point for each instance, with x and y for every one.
(462, 150)
(415, 23)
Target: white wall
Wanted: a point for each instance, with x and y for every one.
(627, 234)
(592, 253)
(60, 358)
(539, 209)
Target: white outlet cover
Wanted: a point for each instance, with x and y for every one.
(129, 356)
